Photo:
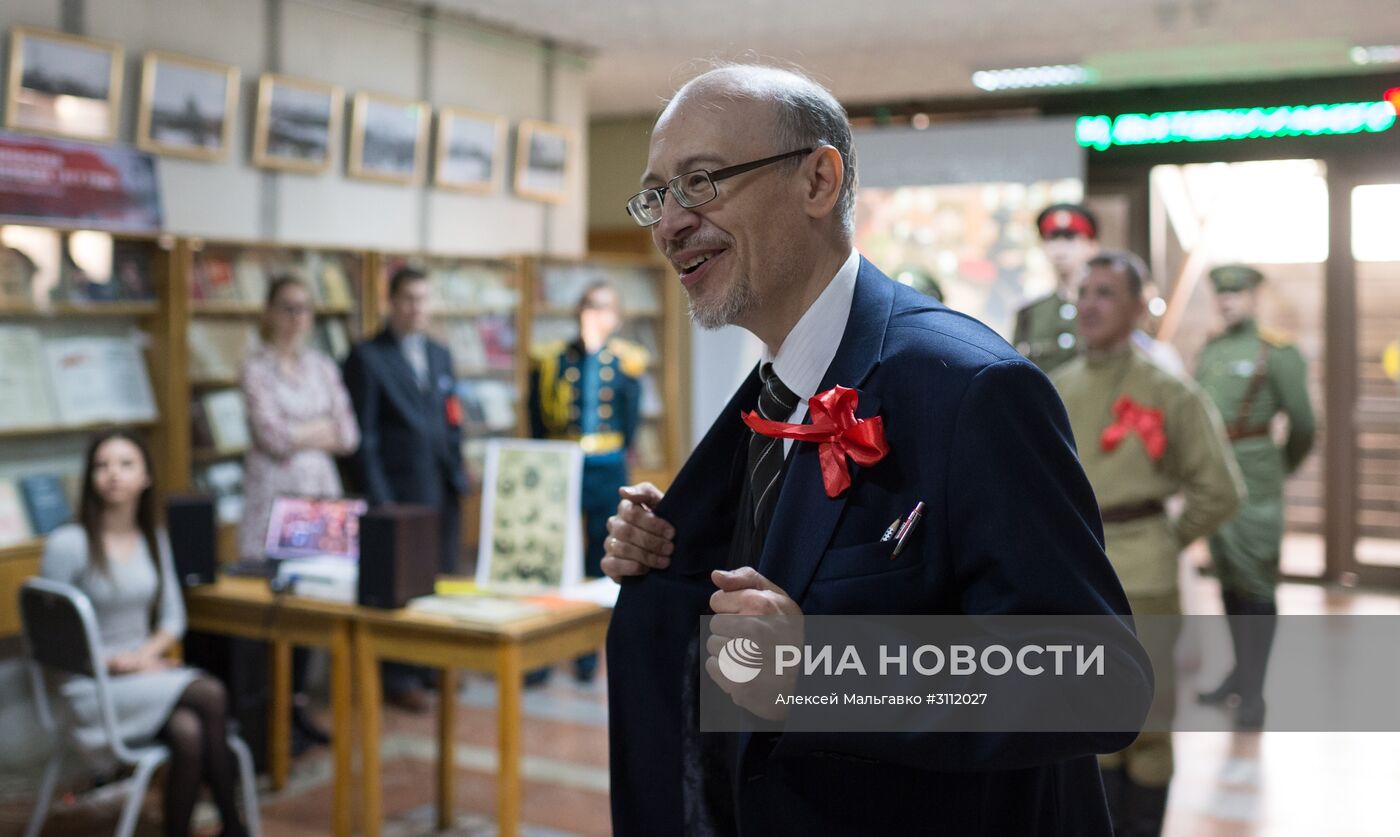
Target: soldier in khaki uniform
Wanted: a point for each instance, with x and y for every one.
(1143, 435)
(1253, 374)
(1045, 329)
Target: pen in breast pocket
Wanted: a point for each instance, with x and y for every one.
(890, 532)
(914, 517)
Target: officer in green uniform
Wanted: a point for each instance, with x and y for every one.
(1143, 435)
(1252, 374)
(1045, 329)
(588, 390)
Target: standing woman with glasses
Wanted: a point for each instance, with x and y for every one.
(299, 416)
(118, 557)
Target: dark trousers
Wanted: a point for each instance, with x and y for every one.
(1252, 622)
(401, 677)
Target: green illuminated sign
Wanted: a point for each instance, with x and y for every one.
(1103, 132)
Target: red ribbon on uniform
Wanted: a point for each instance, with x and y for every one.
(1132, 417)
(454, 411)
(838, 433)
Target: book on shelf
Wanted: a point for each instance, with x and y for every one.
(497, 400)
(217, 347)
(334, 285)
(333, 338)
(250, 276)
(652, 406)
(223, 481)
(463, 340)
(228, 420)
(201, 436)
(497, 332)
(25, 397)
(98, 268)
(550, 328)
(639, 289)
(471, 403)
(213, 279)
(46, 502)
(14, 523)
(99, 379)
(17, 272)
(651, 455)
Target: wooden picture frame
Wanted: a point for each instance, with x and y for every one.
(469, 151)
(381, 126)
(544, 155)
(297, 126)
(63, 85)
(186, 103)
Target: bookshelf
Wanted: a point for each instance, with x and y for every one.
(73, 299)
(193, 307)
(653, 316)
(224, 290)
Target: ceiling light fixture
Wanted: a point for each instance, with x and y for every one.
(1389, 54)
(1020, 78)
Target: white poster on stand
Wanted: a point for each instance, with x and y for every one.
(531, 533)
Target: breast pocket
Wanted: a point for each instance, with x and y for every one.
(866, 559)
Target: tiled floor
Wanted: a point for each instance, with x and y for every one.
(1227, 784)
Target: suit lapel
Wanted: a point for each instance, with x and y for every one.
(703, 491)
(805, 517)
(401, 382)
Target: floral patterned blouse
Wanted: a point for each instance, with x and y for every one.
(278, 399)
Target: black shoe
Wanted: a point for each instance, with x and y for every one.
(1249, 717)
(586, 668)
(301, 722)
(535, 679)
(1220, 695)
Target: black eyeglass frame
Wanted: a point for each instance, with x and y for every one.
(713, 176)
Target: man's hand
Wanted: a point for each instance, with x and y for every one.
(743, 598)
(638, 541)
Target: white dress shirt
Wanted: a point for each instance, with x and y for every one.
(807, 351)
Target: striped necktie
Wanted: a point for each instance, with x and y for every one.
(775, 403)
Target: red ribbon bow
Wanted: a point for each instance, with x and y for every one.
(1132, 417)
(838, 433)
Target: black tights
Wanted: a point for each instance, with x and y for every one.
(197, 734)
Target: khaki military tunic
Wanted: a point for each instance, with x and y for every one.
(1047, 332)
(1131, 486)
(1252, 375)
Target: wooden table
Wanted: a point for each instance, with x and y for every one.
(244, 607)
(567, 630)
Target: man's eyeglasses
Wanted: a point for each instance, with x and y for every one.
(693, 189)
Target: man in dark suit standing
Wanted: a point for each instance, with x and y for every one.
(749, 193)
(405, 396)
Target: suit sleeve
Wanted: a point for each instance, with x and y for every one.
(1198, 457)
(363, 387)
(1025, 540)
(1288, 373)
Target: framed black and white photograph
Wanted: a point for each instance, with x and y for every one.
(542, 161)
(388, 138)
(470, 148)
(63, 85)
(187, 106)
(297, 125)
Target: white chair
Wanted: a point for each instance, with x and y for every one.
(60, 635)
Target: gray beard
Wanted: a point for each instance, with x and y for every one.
(716, 314)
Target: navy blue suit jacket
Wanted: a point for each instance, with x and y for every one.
(409, 452)
(1011, 527)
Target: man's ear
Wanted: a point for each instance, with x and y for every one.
(821, 176)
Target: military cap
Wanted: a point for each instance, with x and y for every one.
(1071, 218)
(1229, 278)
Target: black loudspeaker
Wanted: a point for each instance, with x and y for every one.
(194, 538)
(398, 554)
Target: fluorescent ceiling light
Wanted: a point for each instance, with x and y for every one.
(1017, 78)
(1375, 55)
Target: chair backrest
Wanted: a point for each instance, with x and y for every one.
(60, 628)
(60, 634)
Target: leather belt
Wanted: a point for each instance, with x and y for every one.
(1237, 433)
(1132, 511)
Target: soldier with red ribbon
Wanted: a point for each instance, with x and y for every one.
(1144, 435)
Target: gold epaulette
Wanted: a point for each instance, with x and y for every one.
(547, 350)
(631, 358)
(1276, 338)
